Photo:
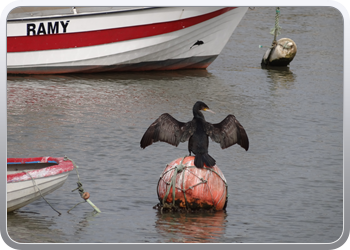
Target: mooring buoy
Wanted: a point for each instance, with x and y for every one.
(184, 186)
(283, 51)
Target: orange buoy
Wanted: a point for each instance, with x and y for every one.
(195, 188)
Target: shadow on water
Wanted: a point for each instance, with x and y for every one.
(191, 227)
(128, 76)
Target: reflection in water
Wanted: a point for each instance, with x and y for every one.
(27, 228)
(281, 77)
(191, 228)
(80, 229)
(120, 76)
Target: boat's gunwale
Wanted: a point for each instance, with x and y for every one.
(63, 165)
(78, 14)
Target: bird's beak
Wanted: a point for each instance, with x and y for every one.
(211, 111)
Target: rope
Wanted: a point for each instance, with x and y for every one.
(183, 186)
(177, 169)
(276, 30)
(40, 191)
(83, 194)
(225, 185)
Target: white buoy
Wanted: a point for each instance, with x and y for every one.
(281, 54)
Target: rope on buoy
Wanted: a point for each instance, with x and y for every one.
(274, 31)
(84, 195)
(277, 29)
(282, 52)
(225, 186)
(181, 168)
(40, 191)
(177, 169)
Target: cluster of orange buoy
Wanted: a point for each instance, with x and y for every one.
(182, 186)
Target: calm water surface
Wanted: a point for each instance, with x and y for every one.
(286, 188)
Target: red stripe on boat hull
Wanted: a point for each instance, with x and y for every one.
(91, 38)
(200, 62)
(62, 166)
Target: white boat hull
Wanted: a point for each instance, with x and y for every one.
(29, 179)
(20, 194)
(144, 39)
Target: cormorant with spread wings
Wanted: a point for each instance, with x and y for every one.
(167, 129)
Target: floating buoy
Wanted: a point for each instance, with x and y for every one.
(281, 54)
(184, 186)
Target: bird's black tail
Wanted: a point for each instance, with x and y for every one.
(201, 159)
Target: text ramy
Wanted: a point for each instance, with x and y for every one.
(47, 28)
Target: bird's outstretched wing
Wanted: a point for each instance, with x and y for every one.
(167, 129)
(228, 132)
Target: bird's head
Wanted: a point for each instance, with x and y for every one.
(201, 106)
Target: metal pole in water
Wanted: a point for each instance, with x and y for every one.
(93, 205)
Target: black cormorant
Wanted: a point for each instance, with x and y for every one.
(167, 129)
